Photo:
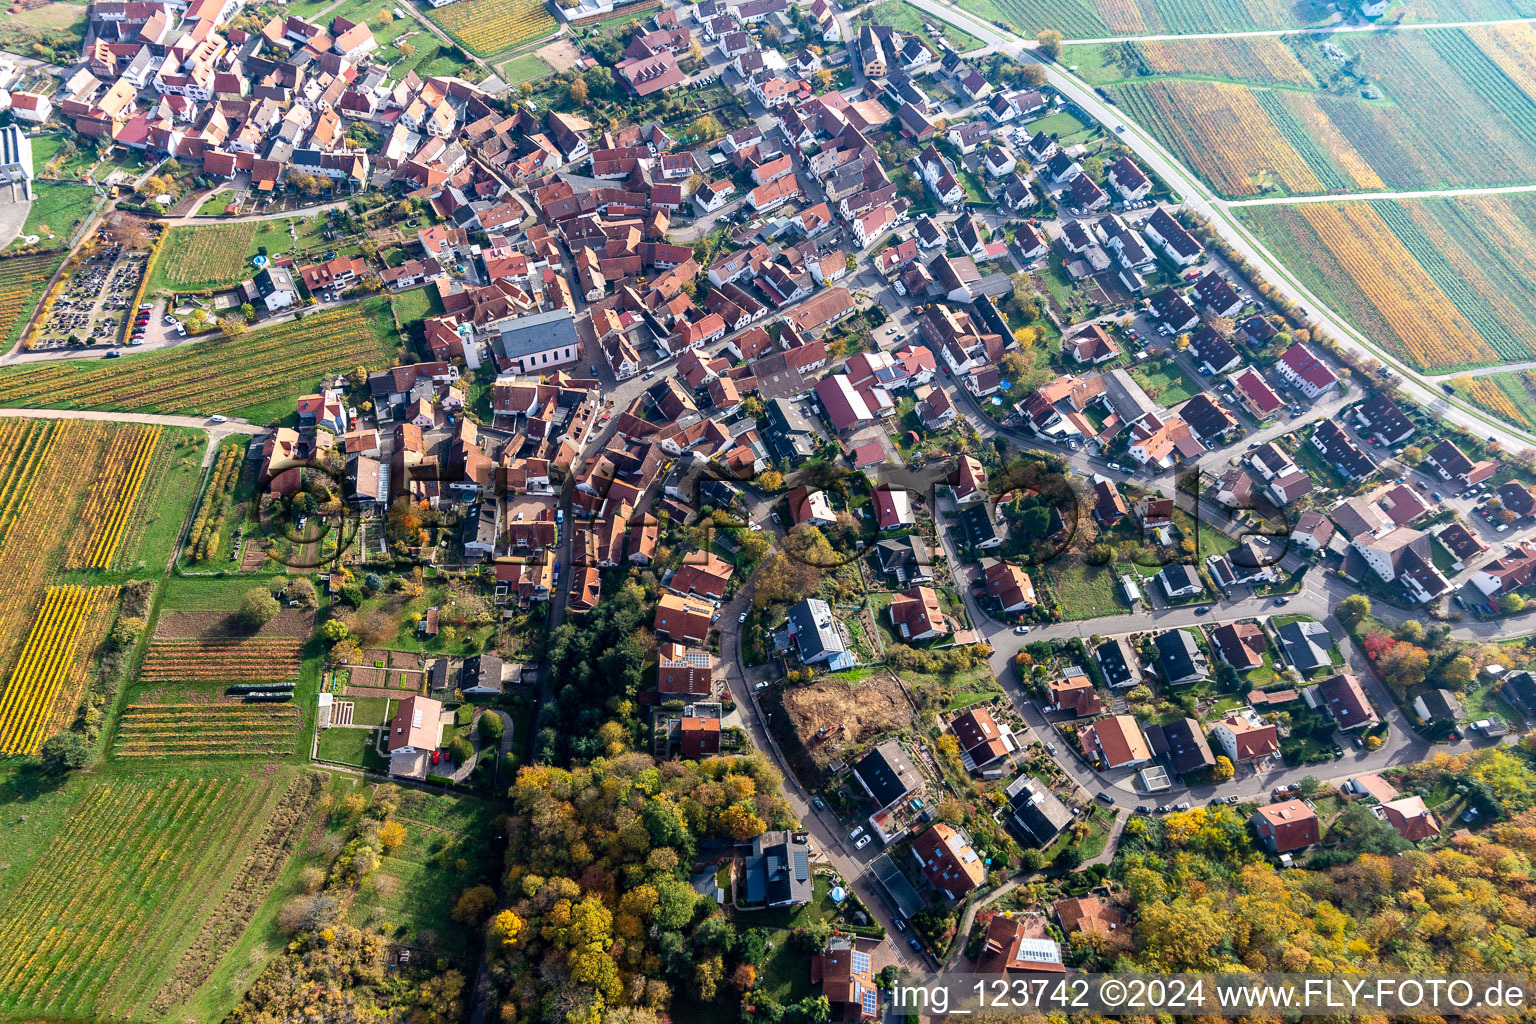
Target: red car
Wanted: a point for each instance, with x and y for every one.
(437, 755)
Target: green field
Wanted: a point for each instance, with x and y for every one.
(911, 20)
(418, 881)
(1443, 283)
(57, 210)
(526, 68)
(257, 375)
(206, 257)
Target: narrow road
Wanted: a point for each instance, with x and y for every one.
(1430, 193)
(215, 430)
(1314, 30)
(1199, 199)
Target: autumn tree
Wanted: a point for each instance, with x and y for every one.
(1223, 770)
(1049, 44)
(473, 904)
(579, 92)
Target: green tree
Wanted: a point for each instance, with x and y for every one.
(1352, 610)
(1049, 42)
(64, 751)
(257, 608)
(491, 727)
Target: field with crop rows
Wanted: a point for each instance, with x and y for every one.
(1222, 131)
(22, 279)
(221, 659)
(257, 374)
(1489, 395)
(42, 484)
(108, 909)
(1087, 19)
(1456, 108)
(208, 525)
(1446, 283)
(1254, 58)
(223, 729)
(203, 257)
(98, 533)
(45, 686)
(485, 27)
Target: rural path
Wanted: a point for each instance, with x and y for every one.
(1429, 193)
(1314, 30)
(217, 432)
(193, 218)
(1200, 200)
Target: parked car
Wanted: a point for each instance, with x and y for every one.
(818, 803)
(1108, 798)
(863, 842)
(1202, 609)
(856, 832)
(901, 924)
(1020, 630)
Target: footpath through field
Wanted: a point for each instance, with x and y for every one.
(1314, 30)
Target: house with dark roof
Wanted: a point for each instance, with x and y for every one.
(1214, 293)
(818, 636)
(1181, 745)
(1305, 645)
(1179, 580)
(905, 558)
(1036, 812)
(1452, 464)
(778, 871)
(886, 774)
(1173, 311)
(1340, 451)
(1117, 664)
(1180, 657)
(1438, 706)
(1213, 352)
(1344, 699)
(1380, 416)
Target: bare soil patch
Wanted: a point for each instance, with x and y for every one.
(561, 54)
(290, 622)
(852, 714)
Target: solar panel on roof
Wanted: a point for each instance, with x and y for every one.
(860, 963)
(868, 1000)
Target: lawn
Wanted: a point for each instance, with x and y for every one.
(522, 69)
(414, 305)
(909, 19)
(215, 204)
(1166, 382)
(57, 210)
(351, 746)
(418, 881)
(1065, 127)
(258, 375)
(1083, 591)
